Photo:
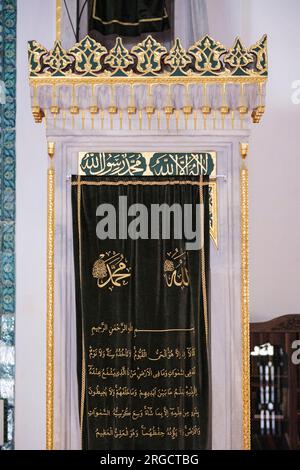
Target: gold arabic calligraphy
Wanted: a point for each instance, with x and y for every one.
(175, 269)
(149, 432)
(111, 270)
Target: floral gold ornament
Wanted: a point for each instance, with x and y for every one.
(178, 59)
(111, 270)
(207, 54)
(238, 58)
(35, 53)
(206, 58)
(119, 58)
(175, 269)
(88, 55)
(58, 60)
(149, 54)
(259, 50)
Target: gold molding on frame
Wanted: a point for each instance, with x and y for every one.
(214, 217)
(43, 80)
(244, 147)
(50, 303)
(58, 19)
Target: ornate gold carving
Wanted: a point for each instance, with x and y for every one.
(177, 58)
(112, 110)
(244, 149)
(238, 58)
(50, 308)
(245, 300)
(206, 110)
(187, 109)
(57, 59)
(119, 58)
(74, 110)
(164, 79)
(54, 110)
(88, 55)
(257, 114)
(224, 110)
(35, 56)
(259, 50)
(51, 149)
(111, 270)
(206, 58)
(94, 109)
(131, 110)
(169, 109)
(38, 114)
(207, 54)
(58, 20)
(149, 53)
(243, 109)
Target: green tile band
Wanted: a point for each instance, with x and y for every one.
(7, 212)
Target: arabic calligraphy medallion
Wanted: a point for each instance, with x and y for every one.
(175, 269)
(111, 270)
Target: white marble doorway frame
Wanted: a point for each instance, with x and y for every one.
(226, 323)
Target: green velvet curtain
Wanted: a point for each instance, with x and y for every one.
(142, 311)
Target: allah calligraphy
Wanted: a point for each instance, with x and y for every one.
(175, 269)
(190, 164)
(111, 270)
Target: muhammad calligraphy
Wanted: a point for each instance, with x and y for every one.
(119, 164)
(111, 270)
